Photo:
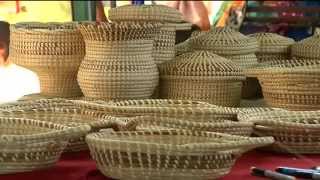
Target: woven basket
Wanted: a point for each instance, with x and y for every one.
(272, 46)
(70, 117)
(183, 47)
(28, 145)
(168, 154)
(37, 103)
(201, 76)
(159, 123)
(296, 88)
(118, 62)
(307, 48)
(294, 131)
(53, 50)
(183, 109)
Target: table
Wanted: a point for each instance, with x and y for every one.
(79, 166)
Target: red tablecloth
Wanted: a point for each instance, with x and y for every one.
(79, 166)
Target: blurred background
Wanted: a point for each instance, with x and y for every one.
(295, 19)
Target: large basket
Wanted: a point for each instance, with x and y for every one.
(53, 50)
(186, 110)
(294, 131)
(118, 62)
(168, 154)
(28, 145)
(71, 117)
(295, 88)
(158, 123)
(201, 76)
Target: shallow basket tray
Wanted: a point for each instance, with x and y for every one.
(295, 132)
(70, 117)
(28, 145)
(158, 123)
(168, 154)
(181, 109)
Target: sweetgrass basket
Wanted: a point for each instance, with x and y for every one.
(296, 88)
(272, 46)
(307, 48)
(70, 117)
(294, 131)
(158, 123)
(118, 62)
(201, 76)
(28, 145)
(182, 109)
(168, 154)
(53, 50)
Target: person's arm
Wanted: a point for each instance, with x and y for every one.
(4, 42)
(100, 15)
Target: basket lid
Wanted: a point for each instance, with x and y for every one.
(158, 13)
(200, 63)
(273, 43)
(225, 41)
(308, 47)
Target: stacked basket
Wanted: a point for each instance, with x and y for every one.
(202, 76)
(54, 51)
(165, 37)
(118, 62)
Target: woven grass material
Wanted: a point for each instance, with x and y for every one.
(28, 145)
(307, 48)
(38, 103)
(182, 109)
(37, 96)
(294, 131)
(118, 66)
(225, 41)
(201, 76)
(295, 88)
(159, 123)
(71, 117)
(53, 50)
(168, 154)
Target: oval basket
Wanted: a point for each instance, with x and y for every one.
(191, 112)
(70, 117)
(294, 131)
(168, 154)
(157, 123)
(28, 145)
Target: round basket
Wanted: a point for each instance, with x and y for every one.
(296, 88)
(53, 50)
(307, 48)
(118, 62)
(201, 76)
(28, 145)
(69, 117)
(168, 154)
(182, 109)
(159, 123)
(272, 46)
(294, 131)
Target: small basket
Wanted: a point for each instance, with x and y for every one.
(168, 154)
(53, 50)
(159, 123)
(201, 76)
(296, 88)
(183, 109)
(294, 131)
(28, 145)
(69, 117)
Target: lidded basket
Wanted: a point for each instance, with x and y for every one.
(53, 50)
(171, 19)
(118, 62)
(307, 48)
(202, 76)
(272, 46)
